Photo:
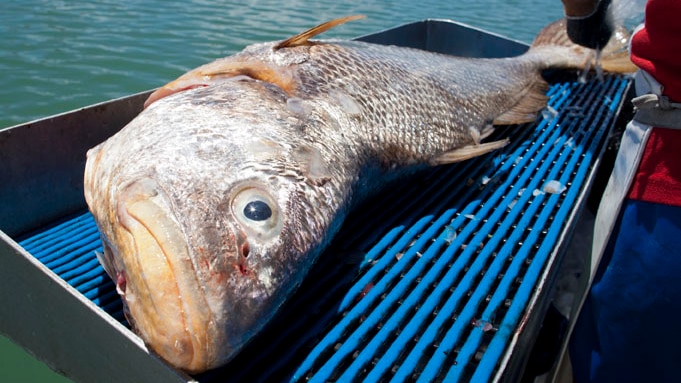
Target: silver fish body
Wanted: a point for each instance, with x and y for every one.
(216, 200)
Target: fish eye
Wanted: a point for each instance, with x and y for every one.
(257, 212)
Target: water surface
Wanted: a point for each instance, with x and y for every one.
(57, 56)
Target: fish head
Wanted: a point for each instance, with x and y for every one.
(208, 216)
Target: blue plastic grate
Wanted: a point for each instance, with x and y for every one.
(432, 291)
(68, 248)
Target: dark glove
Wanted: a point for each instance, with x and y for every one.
(592, 31)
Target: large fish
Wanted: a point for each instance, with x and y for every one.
(214, 202)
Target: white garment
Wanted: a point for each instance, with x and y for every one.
(628, 158)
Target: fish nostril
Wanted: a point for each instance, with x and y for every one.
(245, 250)
(121, 283)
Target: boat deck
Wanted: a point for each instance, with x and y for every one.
(441, 278)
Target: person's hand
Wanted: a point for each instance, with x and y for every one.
(588, 22)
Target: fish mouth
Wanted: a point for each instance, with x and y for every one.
(159, 284)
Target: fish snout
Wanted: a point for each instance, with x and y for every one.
(161, 288)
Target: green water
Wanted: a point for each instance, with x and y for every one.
(56, 56)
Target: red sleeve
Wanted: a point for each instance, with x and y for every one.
(658, 178)
(657, 47)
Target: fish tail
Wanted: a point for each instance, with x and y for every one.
(553, 49)
(614, 57)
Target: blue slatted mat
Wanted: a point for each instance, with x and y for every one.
(68, 248)
(427, 282)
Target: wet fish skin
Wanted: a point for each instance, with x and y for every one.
(215, 201)
(193, 177)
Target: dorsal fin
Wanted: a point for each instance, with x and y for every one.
(302, 38)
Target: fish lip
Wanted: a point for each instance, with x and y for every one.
(164, 294)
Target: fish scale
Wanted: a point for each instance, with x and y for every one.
(574, 138)
(427, 85)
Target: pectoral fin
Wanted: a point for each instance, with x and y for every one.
(468, 152)
(234, 68)
(225, 69)
(532, 100)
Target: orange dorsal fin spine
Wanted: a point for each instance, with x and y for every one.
(304, 37)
